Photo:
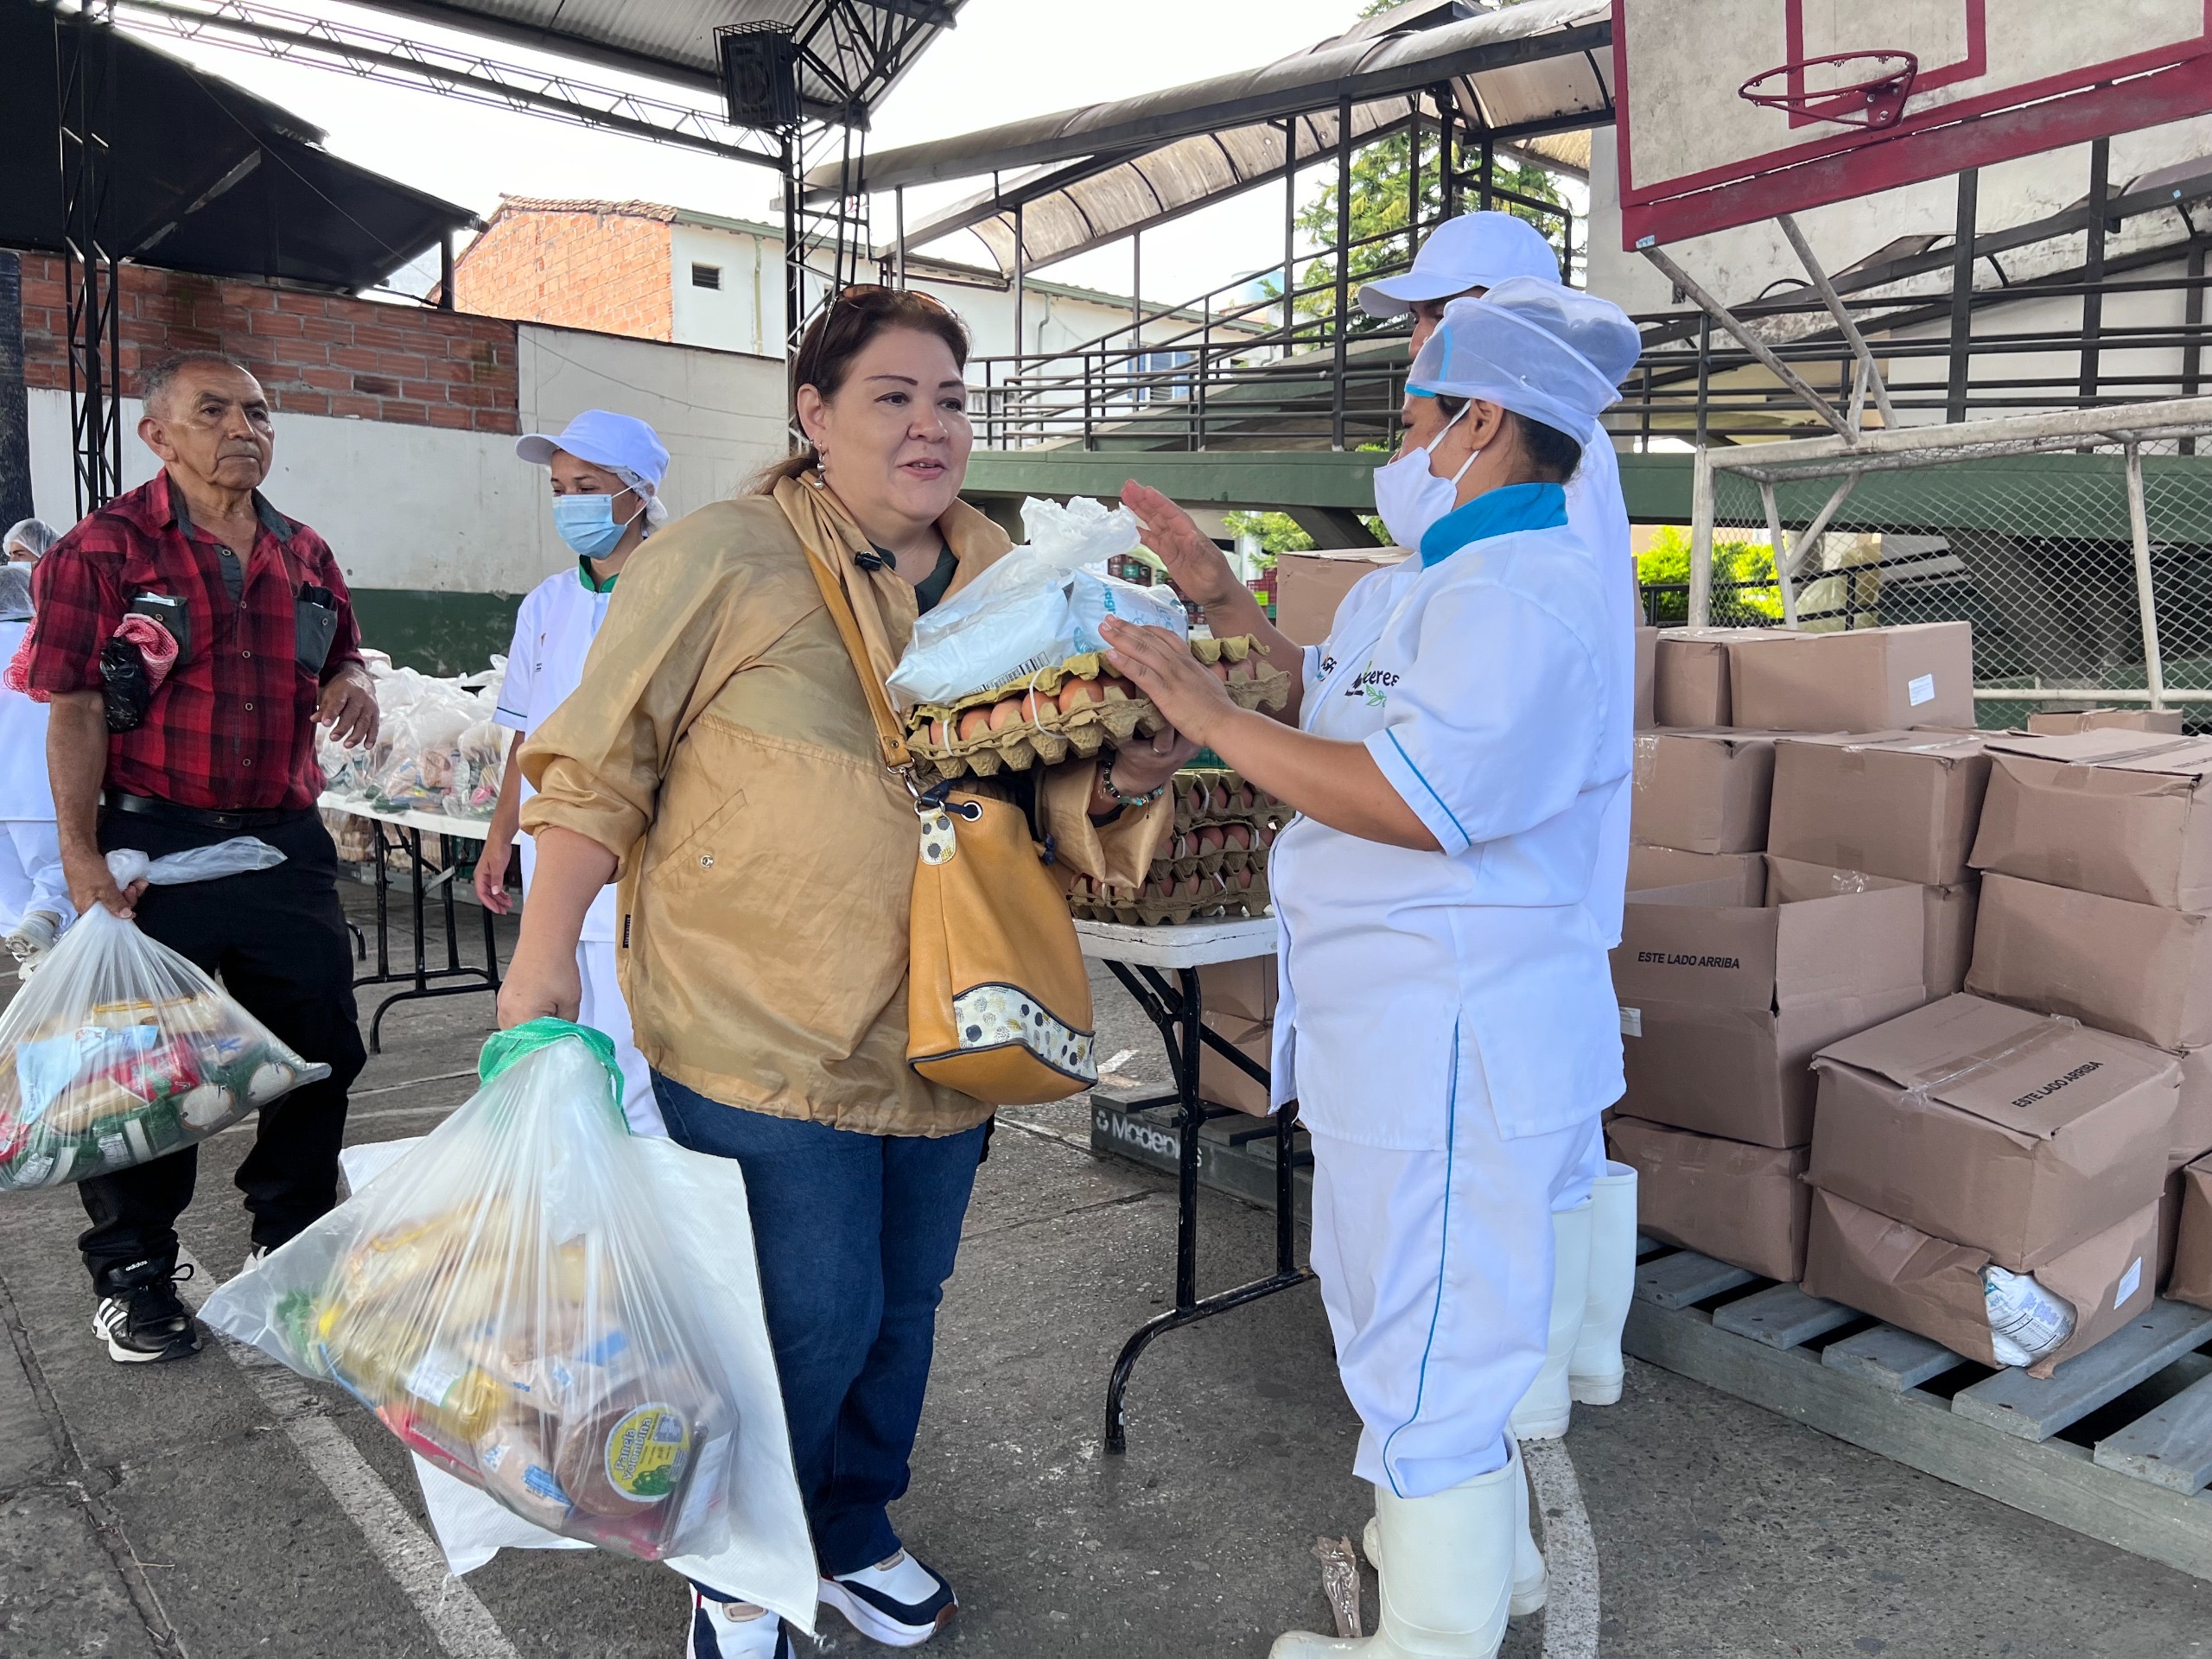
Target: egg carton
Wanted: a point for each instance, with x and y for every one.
(1234, 859)
(1040, 719)
(1150, 907)
(1204, 798)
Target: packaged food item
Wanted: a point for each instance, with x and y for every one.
(2025, 1320)
(119, 1049)
(562, 1322)
(1093, 598)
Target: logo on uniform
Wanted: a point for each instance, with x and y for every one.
(1374, 685)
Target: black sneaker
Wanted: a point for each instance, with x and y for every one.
(141, 1317)
(899, 1602)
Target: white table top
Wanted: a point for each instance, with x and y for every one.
(1191, 945)
(430, 822)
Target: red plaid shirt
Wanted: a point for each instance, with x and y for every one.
(233, 727)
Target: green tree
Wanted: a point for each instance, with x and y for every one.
(1744, 591)
(1278, 532)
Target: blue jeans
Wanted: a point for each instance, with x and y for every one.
(855, 1235)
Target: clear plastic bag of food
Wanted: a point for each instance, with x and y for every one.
(560, 1318)
(1014, 618)
(1093, 598)
(2026, 1322)
(119, 1049)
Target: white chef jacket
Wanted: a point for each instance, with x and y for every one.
(554, 629)
(1595, 513)
(25, 790)
(1415, 984)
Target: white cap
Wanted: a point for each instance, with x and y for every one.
(32, 535)
(1540, 349)
(1473, 251)
(621, 443)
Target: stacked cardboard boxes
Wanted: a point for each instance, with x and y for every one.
(2096, 847)
(1737, 965)
(1239, 999)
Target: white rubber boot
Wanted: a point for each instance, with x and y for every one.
(1450, 1580)
(1531, 1581)
(1595, 1373)
(1546, 1409)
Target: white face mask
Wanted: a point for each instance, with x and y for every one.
(1410, 497)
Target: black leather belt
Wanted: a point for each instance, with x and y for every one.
(202, 818)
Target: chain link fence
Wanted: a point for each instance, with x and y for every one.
(2078, 545)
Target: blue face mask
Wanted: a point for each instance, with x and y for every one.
(587, 524)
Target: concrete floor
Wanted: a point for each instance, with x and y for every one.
(167, 1511)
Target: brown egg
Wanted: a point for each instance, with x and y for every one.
(975, 723)
(1006, 713)
(1116, 689)
(1209, 840)
(1237, 837)
(1078, 693)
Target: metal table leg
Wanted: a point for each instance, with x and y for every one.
(419, 980)
(1178, 1011)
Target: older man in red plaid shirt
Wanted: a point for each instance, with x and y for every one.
(267, 649)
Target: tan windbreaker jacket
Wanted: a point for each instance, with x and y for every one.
(719, 746)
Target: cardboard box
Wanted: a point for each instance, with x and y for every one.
(2017, 1133)
(1702, 792)
(1310, 586)
(1724, 1005)
(2140, 971)
(2126, 814)
(1903, 805)
(2170, 1203)
(2056, 723)
(1242, 991)
(1224, 1083)
(1948, 912)
(1897, 1273)
(2193, 1116)
(1744, 873)
(2190, 1279)
(1865, 680)
(1690, 676)
(1647, 664)
(1737, 1203)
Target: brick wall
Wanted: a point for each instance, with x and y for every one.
(598, 265)
(313, 353)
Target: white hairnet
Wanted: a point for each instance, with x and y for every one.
(14, 592)
(34, 536)
(1552, 354)
(647, 491)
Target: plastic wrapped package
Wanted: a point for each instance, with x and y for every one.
(119, 1049)
(1014, 618)
(2025, 1321)
(514, 1300)
(1093, 598)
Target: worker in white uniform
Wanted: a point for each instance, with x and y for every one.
(1596, 1220)
(1446, 1019)
(605, 471)
(35, 904)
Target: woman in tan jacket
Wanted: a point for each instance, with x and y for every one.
(718, 761)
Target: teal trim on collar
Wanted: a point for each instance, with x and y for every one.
(591, 584)
(1495, 512)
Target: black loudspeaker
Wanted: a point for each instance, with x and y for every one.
(760, 75)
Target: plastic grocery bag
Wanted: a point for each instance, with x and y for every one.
(1014, 618)
(2025, 1321)
(563, 1321)
(119, 1049)
(1093, 598)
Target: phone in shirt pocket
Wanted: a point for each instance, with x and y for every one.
(170, 612)
(314, 626)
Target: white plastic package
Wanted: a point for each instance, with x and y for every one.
(563, 1322)
(2026, 1322)
(1093, 598)
(1014, 618)
(119, 1049)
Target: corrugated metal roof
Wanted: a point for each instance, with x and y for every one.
(866, 44)
(1089, 176)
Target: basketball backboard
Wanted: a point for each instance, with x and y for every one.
(1732, 110)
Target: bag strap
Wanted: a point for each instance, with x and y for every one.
(889, 738)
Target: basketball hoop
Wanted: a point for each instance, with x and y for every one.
(1875, 99)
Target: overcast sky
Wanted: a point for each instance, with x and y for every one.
(1005, 59)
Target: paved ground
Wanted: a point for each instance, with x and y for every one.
(208, 1509)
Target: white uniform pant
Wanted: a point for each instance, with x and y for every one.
(603, 1009)
(30, 871)
(1589, 1165)
(1436, 1272)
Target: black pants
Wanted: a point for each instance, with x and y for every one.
(277, 937)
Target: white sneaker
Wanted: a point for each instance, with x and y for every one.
(899, 1602)
(733, 1630)
(33, 937)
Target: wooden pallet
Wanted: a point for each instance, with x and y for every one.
(2116, 1445)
